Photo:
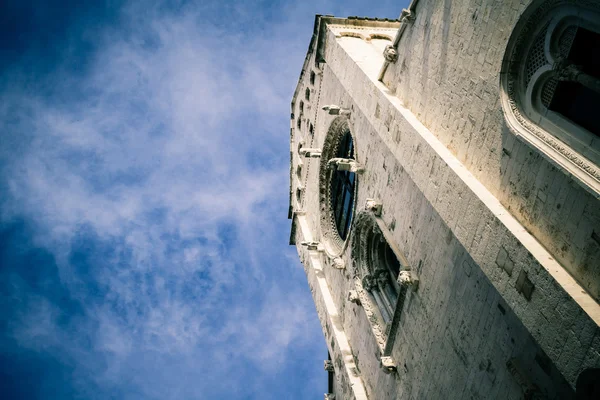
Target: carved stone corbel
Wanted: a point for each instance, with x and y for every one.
(313, 246)
(388, 364)
(407, 16)
(328, 366)
(408, 278)
(345, 164)
(353, 297)
(373, 206)
(329, 396)
(338, 263)
(390, 54)
(336, 110)
(310, 153)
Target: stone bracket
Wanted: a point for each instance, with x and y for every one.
(373, 206)
(328, 366)
(313, 246)
(338, 263)
(310, 153)
(406, 15)
(336, 110)
(388, 364)
(408, 278)
(390, 54)
(353, 297)
(346, 164)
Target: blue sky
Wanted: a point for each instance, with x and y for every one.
(143, 200)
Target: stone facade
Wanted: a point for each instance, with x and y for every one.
(498, 242)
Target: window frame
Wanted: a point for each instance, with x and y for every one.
(561, 141)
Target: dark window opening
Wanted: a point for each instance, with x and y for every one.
(307, 94)
(311, 129)
(585, 51)
(299, 123)
(312, 77)
(383, 258)
(578, 103)
(342, 189)
(572, 99)
(588, 385)
(301, 107)
(329, 377)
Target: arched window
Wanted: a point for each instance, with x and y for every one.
(382, 277)
(384, 268)
(307, 94)
(342, 188)
(312, 77)
(551, 80)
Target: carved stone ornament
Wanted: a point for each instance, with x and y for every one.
(381, 277)
(310, 153)
(373, 206)
(388, 364)
(328, 366)
(407, 16)
(336, 110)
(408, 278)
(329, 396)
(368, 282)
(345, 164)
(338, 263)
(390, 54)
(353, 297)
(314, 246)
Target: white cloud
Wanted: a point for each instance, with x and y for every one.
(172, 150)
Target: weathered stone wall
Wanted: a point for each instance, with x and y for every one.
(447, 74)
(469, 326)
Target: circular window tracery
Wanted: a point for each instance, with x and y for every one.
(551, 83)
(337, 188)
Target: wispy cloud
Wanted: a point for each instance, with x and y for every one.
(143, 205)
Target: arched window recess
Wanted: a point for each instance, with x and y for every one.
(551, 84)
(382, 278)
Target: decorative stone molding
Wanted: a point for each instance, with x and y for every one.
(312, 246)
(310, 153)
(390, 54)
(388, 364)
(407, 278)
(328, 366)
(336, 110)
(353, 297)
(345, 164)
(374, 207)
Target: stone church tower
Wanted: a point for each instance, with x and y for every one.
(445, 199)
